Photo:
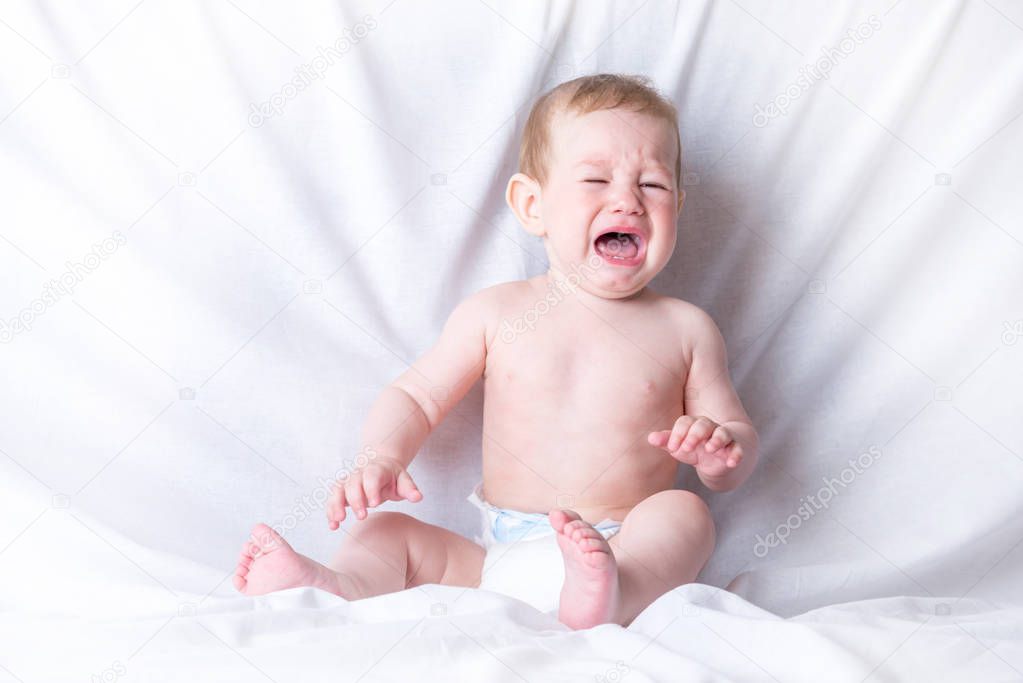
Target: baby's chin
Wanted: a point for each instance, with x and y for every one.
(617, 285)
(594, 275)
(616, 292)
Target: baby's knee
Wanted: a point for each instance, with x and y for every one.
(381, 522)
(685, 510)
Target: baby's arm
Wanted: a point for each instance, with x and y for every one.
(412, 406)
(715, 434)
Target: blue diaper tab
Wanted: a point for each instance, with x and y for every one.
(501, 525)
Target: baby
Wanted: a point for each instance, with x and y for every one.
(595, 387)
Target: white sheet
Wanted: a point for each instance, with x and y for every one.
(861, 254)
(125, 623)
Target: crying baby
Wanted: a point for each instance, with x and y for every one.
(596, 388)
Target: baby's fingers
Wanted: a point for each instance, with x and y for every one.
(336, 507)
(679, 432)
(375, 484)
(357, 499)
(698, 433)
(721, 437)
(662, 439)
(735, 457)
(729, 456)
(407, 488)
(659, 439)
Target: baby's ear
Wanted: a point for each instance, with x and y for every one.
(523, 196)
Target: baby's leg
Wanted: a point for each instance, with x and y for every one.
(384, 553)
(392, 551)
(663, 543)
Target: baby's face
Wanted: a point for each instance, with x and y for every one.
(611, 171)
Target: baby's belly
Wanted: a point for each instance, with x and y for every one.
(565, 423)
(540, 456)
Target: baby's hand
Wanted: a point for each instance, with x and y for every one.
(368, 486)
(700, 442)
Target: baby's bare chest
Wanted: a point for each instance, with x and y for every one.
(604, 374)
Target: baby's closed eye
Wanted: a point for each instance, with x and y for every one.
(598, 180)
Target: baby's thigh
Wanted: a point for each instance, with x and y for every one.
(437, 555)
(424, 553)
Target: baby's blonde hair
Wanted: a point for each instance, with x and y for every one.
(584, 95)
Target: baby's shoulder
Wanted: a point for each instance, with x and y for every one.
(694, 327)
(681, 312)
(487, 306)
(497, 297)
(697, 330)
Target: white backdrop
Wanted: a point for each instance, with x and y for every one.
(267, 271)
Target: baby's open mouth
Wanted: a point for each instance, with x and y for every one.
(619, 248)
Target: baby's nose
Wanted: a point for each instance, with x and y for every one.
(625, 200)
(630, 208)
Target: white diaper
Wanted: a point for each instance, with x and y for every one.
(523, 559)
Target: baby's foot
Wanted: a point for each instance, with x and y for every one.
(268, 563)
(589, 595)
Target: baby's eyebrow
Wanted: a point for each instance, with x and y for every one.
(603, 162)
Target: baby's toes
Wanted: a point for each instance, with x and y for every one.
(239, 579)
(560, 518)
(584, 538)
